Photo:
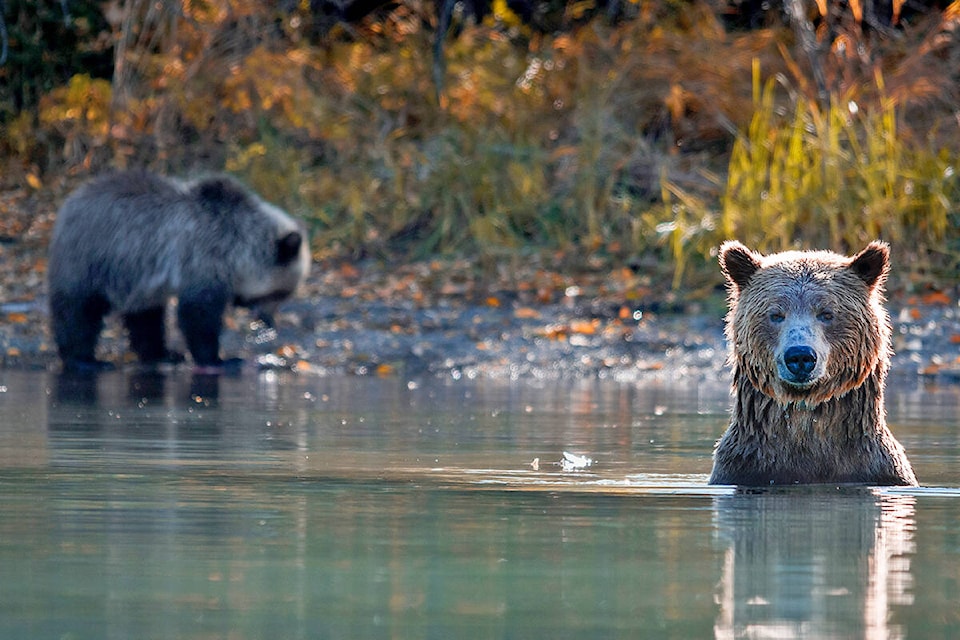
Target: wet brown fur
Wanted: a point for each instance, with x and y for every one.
(834, 430)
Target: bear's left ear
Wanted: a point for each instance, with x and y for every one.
(219, 193)
(872, 264)
(738, 263)
(288, 248)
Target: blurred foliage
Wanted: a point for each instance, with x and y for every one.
(48, 42)
(636, 131)
(836, 176)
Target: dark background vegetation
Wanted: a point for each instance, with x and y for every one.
(583, 134)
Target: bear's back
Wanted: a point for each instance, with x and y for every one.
(126, 235)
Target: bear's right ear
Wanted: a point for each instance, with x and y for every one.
(738, 263)
(288, 248)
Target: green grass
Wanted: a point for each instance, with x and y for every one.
(835, 176)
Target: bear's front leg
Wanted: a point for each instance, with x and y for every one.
(200, 316)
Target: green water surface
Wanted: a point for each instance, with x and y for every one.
(275, 506)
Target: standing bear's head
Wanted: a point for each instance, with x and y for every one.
(807, 326)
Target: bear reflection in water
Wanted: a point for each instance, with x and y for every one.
(813, 562)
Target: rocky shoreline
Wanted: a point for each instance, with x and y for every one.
(439, 319)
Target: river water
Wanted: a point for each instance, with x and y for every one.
(278, 506)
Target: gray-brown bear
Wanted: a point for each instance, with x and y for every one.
(128, 242)
(810, 342)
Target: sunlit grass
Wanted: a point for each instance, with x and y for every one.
(835, 176)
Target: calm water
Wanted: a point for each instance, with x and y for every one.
(283, 507)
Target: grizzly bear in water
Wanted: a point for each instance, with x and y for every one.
(127, 242)
(810, 342)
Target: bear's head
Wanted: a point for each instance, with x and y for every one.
(807, 326)
(265, 250)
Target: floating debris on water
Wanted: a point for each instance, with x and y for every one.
(574, 462)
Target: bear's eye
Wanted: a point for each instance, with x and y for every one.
(825, 316)
(776, 317)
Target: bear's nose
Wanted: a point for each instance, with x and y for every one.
(800, 361)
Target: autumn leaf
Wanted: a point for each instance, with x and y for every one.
(302, 366)
(528, 313)
(554, 332)
(585, 327)
(348, 270)
(936, 297)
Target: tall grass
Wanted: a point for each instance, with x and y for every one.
(834, 175)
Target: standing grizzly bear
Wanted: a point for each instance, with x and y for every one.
(810, 342)
(127, 242)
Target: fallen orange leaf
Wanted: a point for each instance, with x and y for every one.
(936, 297)
(16, 318)
(554, 332)
(584, 327)
(526, 312)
